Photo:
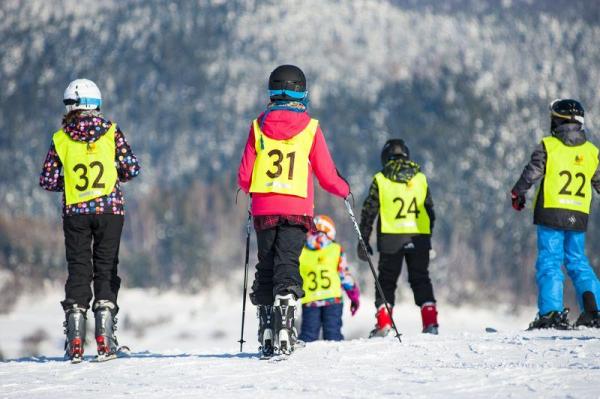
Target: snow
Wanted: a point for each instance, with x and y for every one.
(185, 346)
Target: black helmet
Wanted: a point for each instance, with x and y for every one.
(565, 111)
(287, 82)
(394, 149)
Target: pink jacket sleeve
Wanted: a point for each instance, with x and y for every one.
(325, 169)
(247, 163)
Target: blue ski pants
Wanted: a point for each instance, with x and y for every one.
(557, 248)
(329, 317)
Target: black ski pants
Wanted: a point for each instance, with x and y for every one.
(92, 249)
(278, 268)
(390, 266)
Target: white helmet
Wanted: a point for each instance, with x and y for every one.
(82, 94)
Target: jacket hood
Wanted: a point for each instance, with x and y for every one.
(571, 134)
(400, 170)
(85, 126)
(283, 124)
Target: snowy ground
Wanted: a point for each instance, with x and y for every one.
(185, 346)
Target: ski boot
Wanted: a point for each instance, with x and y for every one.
(556, 320)
(429, 317)
(265, 331)
(106, 325)
(590, 317)
(284, 313)
(384, 322)
(75, 324)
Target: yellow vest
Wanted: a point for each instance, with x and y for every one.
(89, 168)
(569, 171)
(320, 275)
(402, 205)
(281, 166)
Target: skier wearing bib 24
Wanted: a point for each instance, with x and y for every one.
(400, 196)
(285, 147)
(94, 157)
(567, 165)
(325, 272)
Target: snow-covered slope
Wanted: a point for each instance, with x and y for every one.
(185, 346)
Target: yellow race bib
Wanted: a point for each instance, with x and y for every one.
(89, 168)
(402, 205)
(320, 275)
(569, 171)
(281, 166)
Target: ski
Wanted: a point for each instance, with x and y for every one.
(122, 352)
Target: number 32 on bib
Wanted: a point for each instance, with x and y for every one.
(89, 168)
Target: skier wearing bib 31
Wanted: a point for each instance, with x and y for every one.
(400, 196)
(285, 147)
(94, 157)
(567, 165)
(325, 272)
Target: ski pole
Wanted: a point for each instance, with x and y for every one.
(364, 248)
(241, 341)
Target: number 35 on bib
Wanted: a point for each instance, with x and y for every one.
(281, 166)
(89, 168)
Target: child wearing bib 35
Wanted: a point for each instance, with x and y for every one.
(285, 147)
(325, 273)
(94, 157)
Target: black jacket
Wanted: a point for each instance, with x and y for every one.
(570, 134)
(398, 171)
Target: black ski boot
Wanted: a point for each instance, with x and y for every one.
(106, 325)
(75, 324)
(556, 320)
(590, 317)
(265, 331)
(284, 313)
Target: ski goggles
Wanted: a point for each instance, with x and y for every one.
(297, 95)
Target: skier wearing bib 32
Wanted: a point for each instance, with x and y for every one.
(567, 165)
(400, 196)
(94, 157)
(325, 272)
(284, 148)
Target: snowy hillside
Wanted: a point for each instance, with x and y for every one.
(186, 346)
(465, 83)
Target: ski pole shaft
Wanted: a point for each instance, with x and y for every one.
(364, 248)
(248, 223)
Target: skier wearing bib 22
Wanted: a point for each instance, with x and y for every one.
(567, 165)
(325, 272)
(95, 157)
(400, 196)
(285, 147)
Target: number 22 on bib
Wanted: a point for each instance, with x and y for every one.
(89, 168)
(569, 171)
(281, 166)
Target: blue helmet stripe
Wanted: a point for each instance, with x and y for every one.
(299, 95)
(90, 101)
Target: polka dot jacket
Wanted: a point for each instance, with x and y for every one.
(89, 126)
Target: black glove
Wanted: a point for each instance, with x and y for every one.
(361, 253)
(518, 200)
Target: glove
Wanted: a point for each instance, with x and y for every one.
(518, 200)
(354, 295)
(361, 254)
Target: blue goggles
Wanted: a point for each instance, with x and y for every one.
(83, 101)
(297, 95)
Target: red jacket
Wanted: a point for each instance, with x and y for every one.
(282, 125)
